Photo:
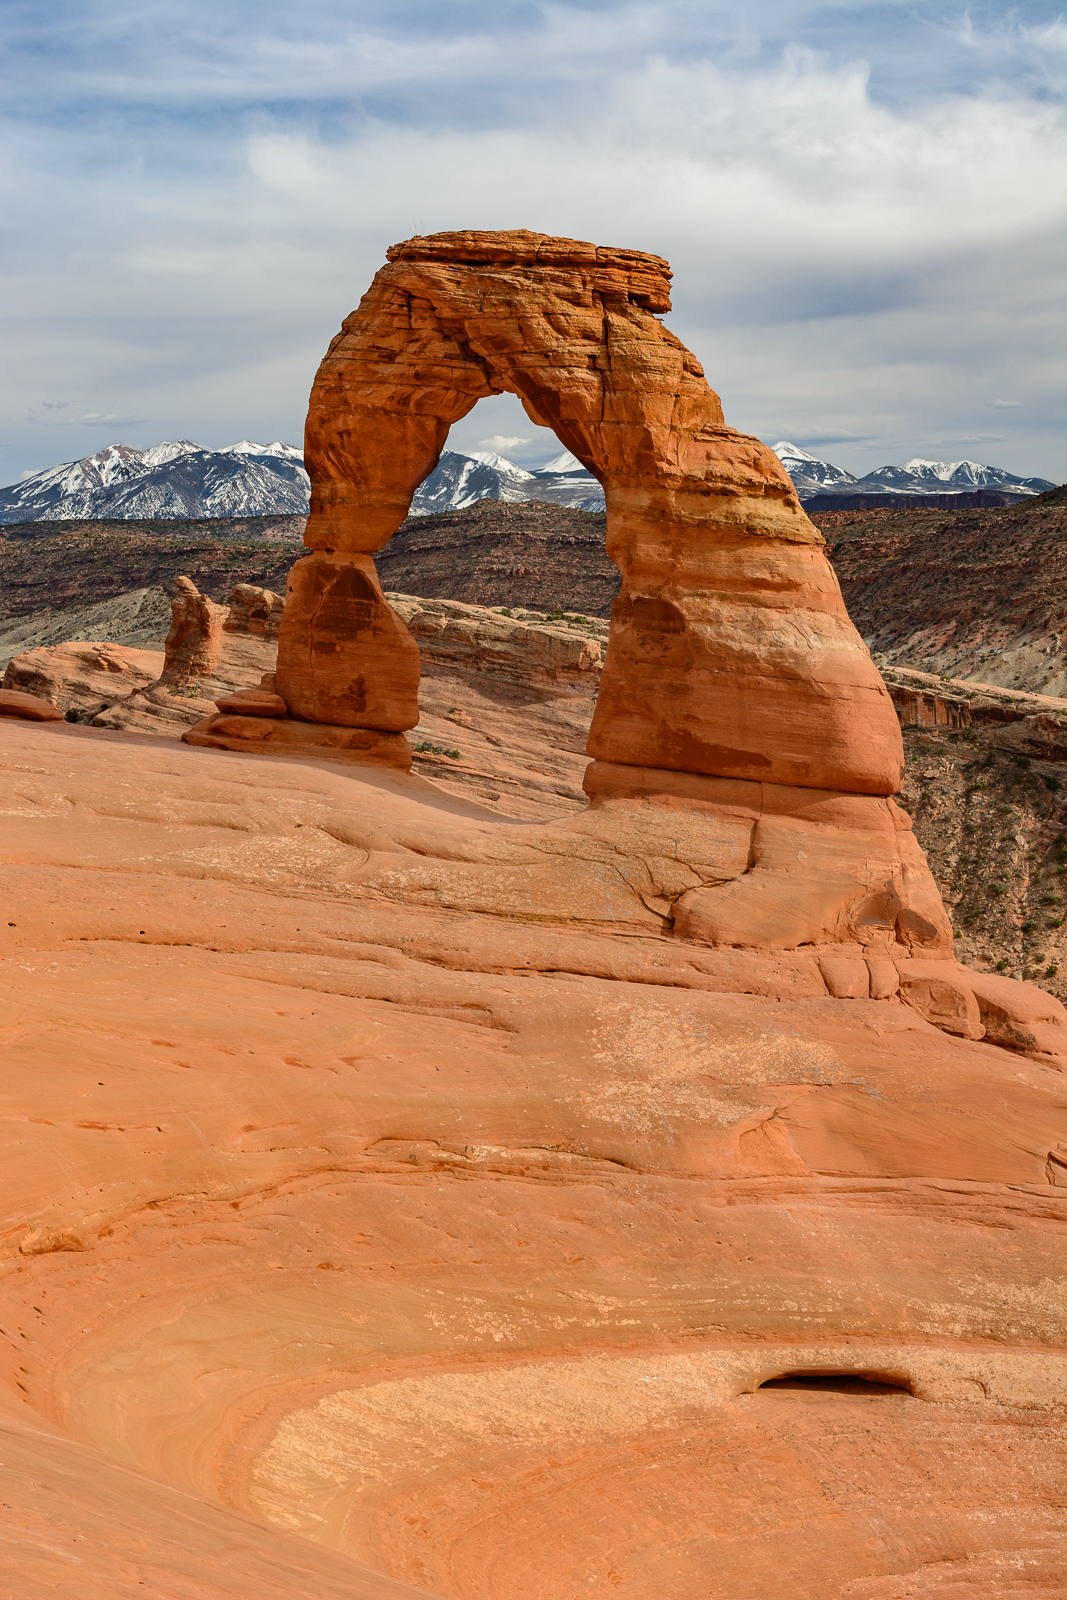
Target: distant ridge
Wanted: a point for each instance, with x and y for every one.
(925, 502)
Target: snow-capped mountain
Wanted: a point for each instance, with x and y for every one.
(811, 475)
(919, 476)
(460, 480)
(490, 458)
(174, 479)
(249, 447)
(564, 463)
(246, 479)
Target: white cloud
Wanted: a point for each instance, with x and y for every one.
(850, 263)
(501, 443)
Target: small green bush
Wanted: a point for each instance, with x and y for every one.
(426, 748)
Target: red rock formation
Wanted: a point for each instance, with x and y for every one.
(82, 673)
(28, 707)
(254, 611)
(259, 702)
(343, 656)
(731, 652)
(194, 643)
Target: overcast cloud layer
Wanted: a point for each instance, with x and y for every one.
(862, 205)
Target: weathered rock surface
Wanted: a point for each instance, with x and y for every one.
(259, 702)
(27, 706)
(388, 1190)
(343, 655)
(566, 654)
(82, 673)
(731, 651)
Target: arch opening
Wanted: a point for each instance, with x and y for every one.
(497, 454)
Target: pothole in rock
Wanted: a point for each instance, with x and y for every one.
(844, 1383)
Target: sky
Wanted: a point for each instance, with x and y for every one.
(863, 206)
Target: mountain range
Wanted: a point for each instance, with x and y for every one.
(174, 479)
(182, 480)
(461, 480)
(812, 476)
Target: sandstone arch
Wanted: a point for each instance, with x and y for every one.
(731, 652)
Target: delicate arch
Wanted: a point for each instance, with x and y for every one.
(730, 653)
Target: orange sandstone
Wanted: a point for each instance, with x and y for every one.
(731, 651)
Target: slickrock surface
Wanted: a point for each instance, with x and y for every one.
(82, 672)
(731, 651)
(383, 1187)
(987, 795)
(28, 707)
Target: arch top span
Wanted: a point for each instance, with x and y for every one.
(730, 653)
(569, 327)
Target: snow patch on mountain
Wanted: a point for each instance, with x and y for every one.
(811, 475)
(249, 447)
(462, 480)
(490, 458)
(564, 463)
